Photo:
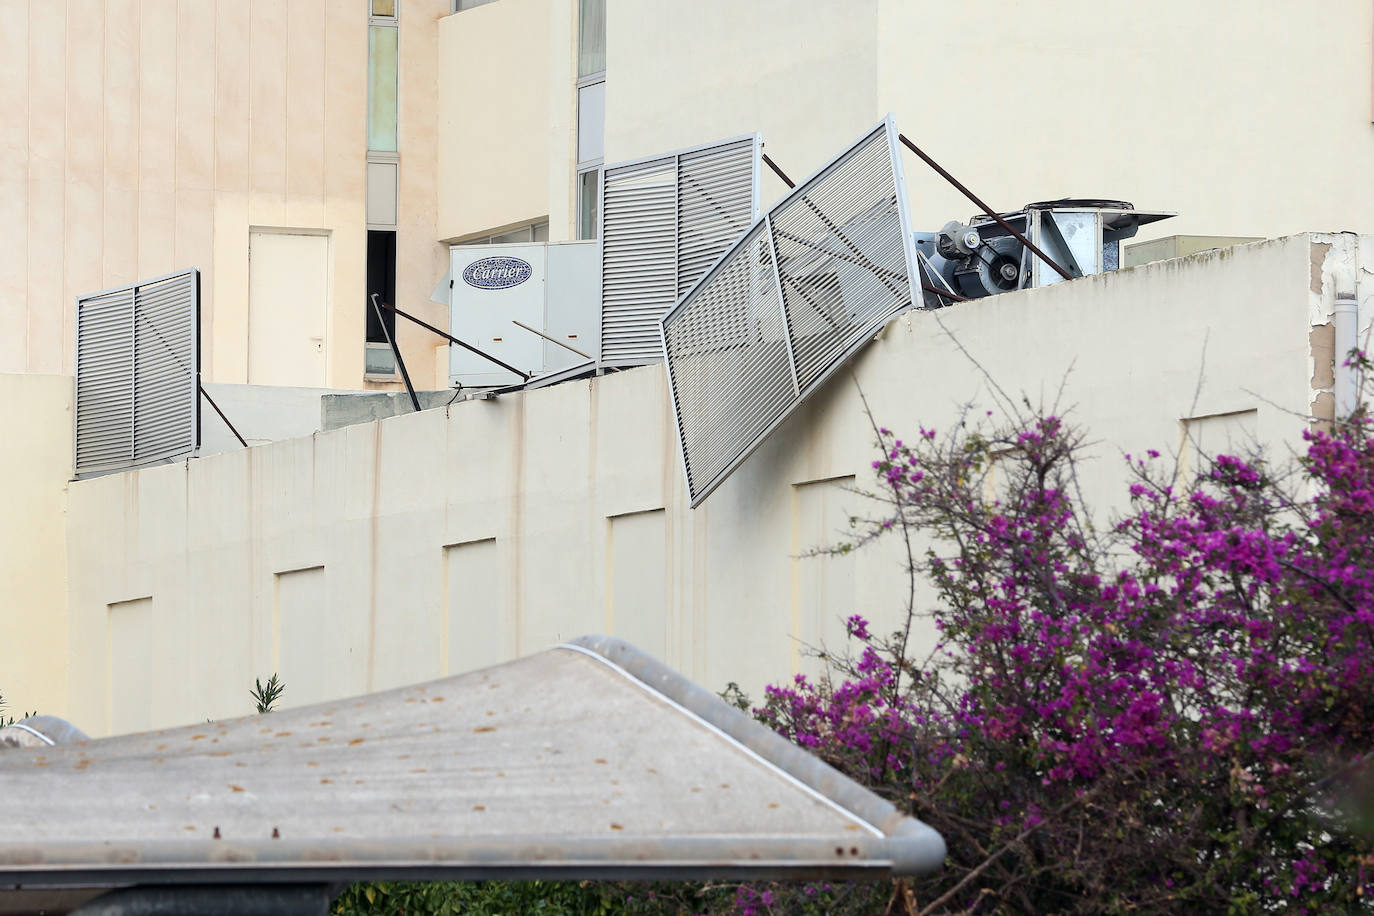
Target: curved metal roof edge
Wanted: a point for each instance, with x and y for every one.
(914, 846)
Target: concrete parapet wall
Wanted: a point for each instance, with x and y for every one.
(396, 551)
(35, 465)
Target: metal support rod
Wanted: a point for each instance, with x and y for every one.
(945, 294)
(401, 363)
(453, 340)
(205, 394)
(997, 218)
(777, 171)
(551, 339)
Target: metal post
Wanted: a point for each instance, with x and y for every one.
(944, 293)
(205, 394)
(401, 363)
(453, 340)
(997, 218)
(551, 339)
(777, 171)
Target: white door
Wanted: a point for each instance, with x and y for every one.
(288, 299)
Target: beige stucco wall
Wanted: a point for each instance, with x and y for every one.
(142, 136)
(802, 74)
(1247, 120)
(398, 551)
(506, 116)
(37, 419)
(420, 259)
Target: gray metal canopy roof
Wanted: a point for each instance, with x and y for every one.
(587, 760)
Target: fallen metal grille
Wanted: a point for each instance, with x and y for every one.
(138, 374)
(665, 221)
(809, 283)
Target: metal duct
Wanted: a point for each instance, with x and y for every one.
(665, 221)
(800, 292)
(138, 374)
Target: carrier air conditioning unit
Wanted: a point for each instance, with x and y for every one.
(535, 306)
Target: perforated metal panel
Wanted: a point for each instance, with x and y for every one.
(804, 288)
(138, 374)
(665, 221)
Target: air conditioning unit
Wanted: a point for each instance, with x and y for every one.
(499, 292)
(980, 258)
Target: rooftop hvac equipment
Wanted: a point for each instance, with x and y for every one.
(806, 286)
(508, 300)
(665, 221)
(137, 374)
(981, 258)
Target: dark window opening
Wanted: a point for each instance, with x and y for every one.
(378, 358)
(381, 279)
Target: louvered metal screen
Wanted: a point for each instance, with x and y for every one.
(665, 221)
(804, 288)
(138, 374)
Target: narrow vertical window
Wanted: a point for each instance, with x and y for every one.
(383, 180)
(591, 37)
(381, 87)
(591, 111)
(588, 193)
(381, 281)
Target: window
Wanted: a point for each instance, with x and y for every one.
(383, 185)
(591, 38)
(460, 5)
(588, 192)
(381, 280)
(534, 232)
(383, 173)
(591, 122)
(591, 111)
(381, 87)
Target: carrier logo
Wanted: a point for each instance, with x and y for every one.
(497, 273)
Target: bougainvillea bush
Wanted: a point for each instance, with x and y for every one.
(1171, 713)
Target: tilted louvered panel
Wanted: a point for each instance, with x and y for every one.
(664, 222)
(725, 341)
(808, 285)
(137, 374)
(842, 257)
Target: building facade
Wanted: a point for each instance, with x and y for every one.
(146, 137)
(307, 154)
(401, 550)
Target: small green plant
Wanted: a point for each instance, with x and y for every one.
(267, 695)
(7, 721)
(736, 697)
